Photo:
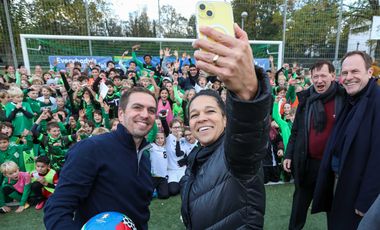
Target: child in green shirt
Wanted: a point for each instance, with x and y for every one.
(19, 112)
(19, 153)
(54, 145)
(32, 100)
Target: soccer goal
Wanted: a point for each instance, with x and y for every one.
(44, 50)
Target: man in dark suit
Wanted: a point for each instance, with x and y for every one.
(315, 116)
(349, 179)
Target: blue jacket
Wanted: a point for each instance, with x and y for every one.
(102, 173)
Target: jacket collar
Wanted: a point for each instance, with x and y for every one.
(205, 152)
(126, 139)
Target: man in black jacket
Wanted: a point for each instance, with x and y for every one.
(349, 179)
(315, 116)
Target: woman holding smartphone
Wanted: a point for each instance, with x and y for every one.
(223, 186)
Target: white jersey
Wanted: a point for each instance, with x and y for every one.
(171, 141)
(186, 146)
(158, 161)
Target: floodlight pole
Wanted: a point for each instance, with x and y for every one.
(284, 31)
(159, 22)
(10, 32)
(336, 62)
(88, 27)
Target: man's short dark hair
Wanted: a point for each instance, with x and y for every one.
(147, 55)
(125, 96)
(110, 62)
(367, 59)
(43, 159)
(319, 64)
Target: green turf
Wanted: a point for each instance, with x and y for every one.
(165, 214)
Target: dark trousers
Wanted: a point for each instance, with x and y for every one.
(161, 185)
(174, 188)
(36, 193)
(11, 193)
(303, 195)
(271, 174)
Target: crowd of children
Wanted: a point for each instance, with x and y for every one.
(43, 114)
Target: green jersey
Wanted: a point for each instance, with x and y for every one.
(20, 121)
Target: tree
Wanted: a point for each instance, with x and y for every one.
(191, 27)
(65, 16)
(360, 15)
(311, 31)
(139, 25)
(173, 24)
(264, 18)
(19, 13)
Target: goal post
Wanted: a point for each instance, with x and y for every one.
(38, 48)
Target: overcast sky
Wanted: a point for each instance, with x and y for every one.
(123, 7)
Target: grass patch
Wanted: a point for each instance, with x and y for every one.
(165, 214)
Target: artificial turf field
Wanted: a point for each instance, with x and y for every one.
(165, 214)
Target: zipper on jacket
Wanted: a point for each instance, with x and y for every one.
(139, 155)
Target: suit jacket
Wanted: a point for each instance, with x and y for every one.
(358, 184)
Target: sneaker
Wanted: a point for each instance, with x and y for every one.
(40, 205)
(26, 205)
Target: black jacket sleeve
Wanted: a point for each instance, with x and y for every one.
(70, 93)
(35, 131)
(165, 126)
(95, 85)
(247, 132)
(178, 151)
(26, 113)
(12, 115)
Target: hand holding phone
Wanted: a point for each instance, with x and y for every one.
(226, 52)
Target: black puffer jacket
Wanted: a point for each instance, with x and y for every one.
(223, 184)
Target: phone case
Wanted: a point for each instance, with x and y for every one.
(217, 15)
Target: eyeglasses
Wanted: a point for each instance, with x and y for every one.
(176, 127)
(316, 77)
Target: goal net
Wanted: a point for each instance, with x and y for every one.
(44, 50)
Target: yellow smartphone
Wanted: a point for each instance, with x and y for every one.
(217, 15)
